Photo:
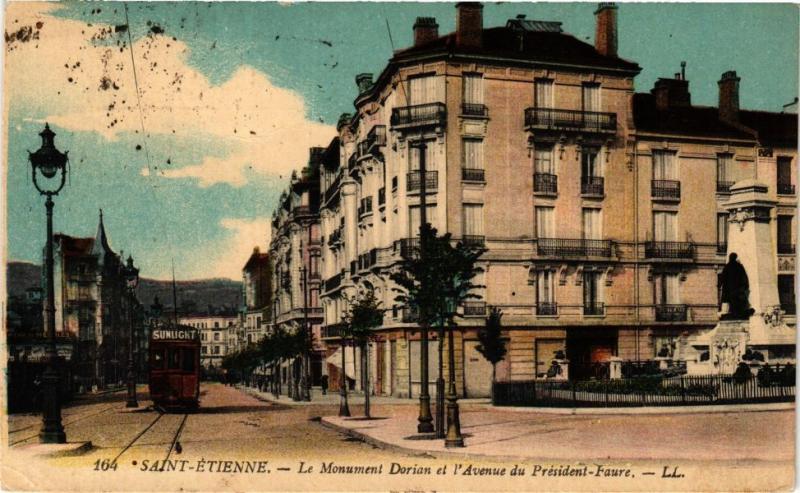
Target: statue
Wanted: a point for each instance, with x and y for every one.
(735, 290)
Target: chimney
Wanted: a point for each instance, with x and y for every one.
(605, 38)
(469, 24)
(364, 82)
(425, 30)
(672, 93)
(729, 96)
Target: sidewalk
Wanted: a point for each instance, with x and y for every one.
(332, 398)
(499, 433)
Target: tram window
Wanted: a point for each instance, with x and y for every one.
(188, 360)
(158, 360)
(174, 359)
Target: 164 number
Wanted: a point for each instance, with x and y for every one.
(105, 465)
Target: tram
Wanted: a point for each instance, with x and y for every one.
(175, 367)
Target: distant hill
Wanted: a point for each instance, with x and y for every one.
(201, 292)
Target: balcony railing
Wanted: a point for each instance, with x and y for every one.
(671, 313)
(722, 248)
(547, 308)
(593, 308)
(407, 247)
(376, 137)
(724, 186)
(474, 308)
(333, 331)
(474, 240)
(786, 248)
(666, 189)
(333, 282)
(669, 249)
(564, 247)
(419, 115)
(575, 120)
(333, 189)
(382, 196)
(431, 181)
(474, 109)
(786, 189)
(472, 174)
(592, 185)
(545, 183)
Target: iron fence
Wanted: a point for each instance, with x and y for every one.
(592, 185)
(413, 181)
(545, 183)
(474, 308)
(420, 114)
(665, 189)
(568, 247)
(669, 249)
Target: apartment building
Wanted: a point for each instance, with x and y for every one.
(601, 209)
(214, 336)
(257, 297)
(295, 259)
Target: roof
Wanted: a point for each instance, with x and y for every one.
(774, 129)
(71, 246)
(536, 41)
(256, 258)
(700, 121)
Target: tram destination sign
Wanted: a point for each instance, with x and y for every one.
(175, 334)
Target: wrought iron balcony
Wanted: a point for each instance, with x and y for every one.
(592, 185)
(786, 189)
(333, 331)
(333, 282)
(665, 189)
(382, 196)
(419, 115)
(567, 247)
(547, 308)
(474, 308)
(472, 174)
(413, 181)
(474, 240)
(786, 248)
(545, 183)
(474, 109)
(407, 247)
(669, 249)
(594, 308)
(671, 313)
(574, 120)
(724, 186)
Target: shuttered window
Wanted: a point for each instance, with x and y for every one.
(473, 219)
(544, 222)
(473, 89)
(664, 167)
(665, 226)
(426, 89)
(543, 93)
(591, 97)
(592, 224)
(543, 159)
(545, 287)
(473, 153)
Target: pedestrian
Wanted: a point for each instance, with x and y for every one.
(324, 384)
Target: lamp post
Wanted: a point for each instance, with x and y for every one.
(49, 161)
(306, 379)
(131, 274)
(454, 437)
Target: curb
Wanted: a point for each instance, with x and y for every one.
(57, 450)
(649, 410)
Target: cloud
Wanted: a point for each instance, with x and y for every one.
(230, 255)
(79, 76)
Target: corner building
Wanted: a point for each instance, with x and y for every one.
(600, 208)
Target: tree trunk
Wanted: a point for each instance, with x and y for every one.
(494, 380)
(365, 377)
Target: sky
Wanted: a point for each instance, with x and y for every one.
(231, 96)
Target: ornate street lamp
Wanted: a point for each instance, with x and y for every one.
(131, 275)
(49, 162)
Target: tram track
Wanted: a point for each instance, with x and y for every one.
(174, 434)
(65, 424)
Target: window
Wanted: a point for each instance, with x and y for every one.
(414, 218)
(544, 222)
(724, 168)
(592, 224)
(258, 322)
(430, 157)
(157, 362)
(722, 232)
(473, 153)
(216, 325)
(667, 289)
(545, 287)
(174, 359)
(665, 226)
(426, 89)
(592, 296)
(473, 220)
(591, 97)
(590, 162)
(216, 336)
(664, 346)
(786, 292)
(313, 297)
(664, 167)
(204, 350)
(473, 89)
(543, 159)
(785, 234)
(216, 349)
(784, 170)
(313, 264)
(543, 93)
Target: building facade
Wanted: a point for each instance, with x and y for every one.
(602, 210)
(214, 336)
(257, 296)
(295, 256)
